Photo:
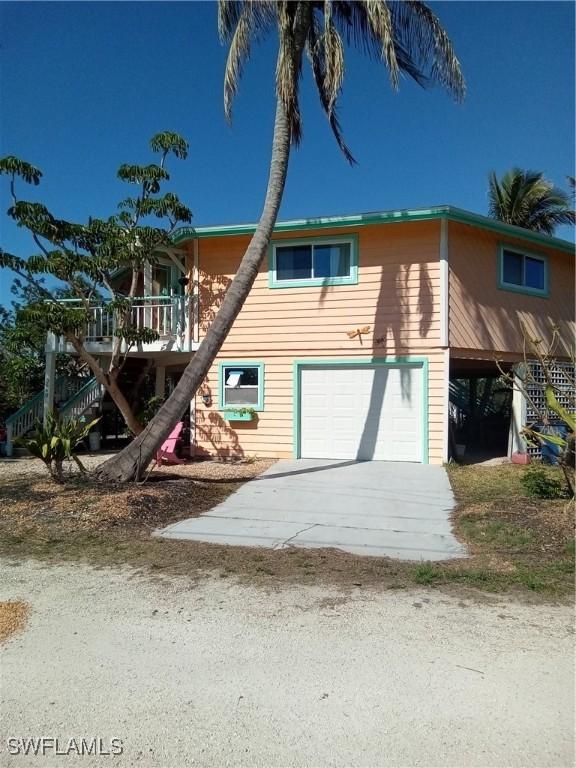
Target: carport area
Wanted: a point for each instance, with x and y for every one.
(383, 509)
(480, 410)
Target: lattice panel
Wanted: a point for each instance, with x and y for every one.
(560, 374)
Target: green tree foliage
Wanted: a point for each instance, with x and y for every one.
(78, 261)
(21, 362)
(526, 199)
(22, 358)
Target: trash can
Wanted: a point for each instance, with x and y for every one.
(94, 441)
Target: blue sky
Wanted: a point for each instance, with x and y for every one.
(85, 85)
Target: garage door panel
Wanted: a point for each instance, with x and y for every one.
(316, 401)
(361, 412)
(340, 401)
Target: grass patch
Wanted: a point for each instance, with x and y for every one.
(497, 534)
(516, 541)
(506, 481)
(426, 573)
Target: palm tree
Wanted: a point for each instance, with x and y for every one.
(572, 185)
(405, 36)
(527, 199)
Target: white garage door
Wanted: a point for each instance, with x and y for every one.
(363, 413)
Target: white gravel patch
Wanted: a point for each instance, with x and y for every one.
(202, 469)
(219, 674)
(26, 465)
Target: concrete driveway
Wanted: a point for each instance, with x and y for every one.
(375, 508)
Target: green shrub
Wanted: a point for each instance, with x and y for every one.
(54, 443)
(537, 483)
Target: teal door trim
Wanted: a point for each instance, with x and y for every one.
(390, 362)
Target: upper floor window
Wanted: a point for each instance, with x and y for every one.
(317, 261)
(523, 272)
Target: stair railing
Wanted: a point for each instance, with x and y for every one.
(89, 394)
(26, 417)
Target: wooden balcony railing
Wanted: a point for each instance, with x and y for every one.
(169, 316)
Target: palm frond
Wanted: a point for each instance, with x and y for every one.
(229, 12)
(420, 33)
(495, 197)
(414, 37)
(288, 68)
(380, 23)
(333, 58)
(316, 55)
(243, 24)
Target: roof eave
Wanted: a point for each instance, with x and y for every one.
(451, 213)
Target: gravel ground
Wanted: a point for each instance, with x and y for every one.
(197, 470)
(227, 675)
(26, 465)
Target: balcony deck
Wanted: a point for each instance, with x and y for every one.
(171, 317)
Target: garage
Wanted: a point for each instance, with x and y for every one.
(372, 411)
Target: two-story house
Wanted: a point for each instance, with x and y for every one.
(355, 328)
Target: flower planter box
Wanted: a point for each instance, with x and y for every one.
(237, 416)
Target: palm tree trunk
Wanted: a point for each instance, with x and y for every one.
(133, 460)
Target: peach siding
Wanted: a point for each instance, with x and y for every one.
(486, 319)
(398, 296)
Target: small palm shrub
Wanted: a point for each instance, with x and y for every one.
(54, 443)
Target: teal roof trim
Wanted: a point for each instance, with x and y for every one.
(383, 217)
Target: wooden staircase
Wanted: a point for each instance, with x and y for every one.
(76, 396)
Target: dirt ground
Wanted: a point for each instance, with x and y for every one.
(518, 545)
(217, 673)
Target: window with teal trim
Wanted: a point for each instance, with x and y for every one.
(523, 272)
(242, 385)
(313, 262)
